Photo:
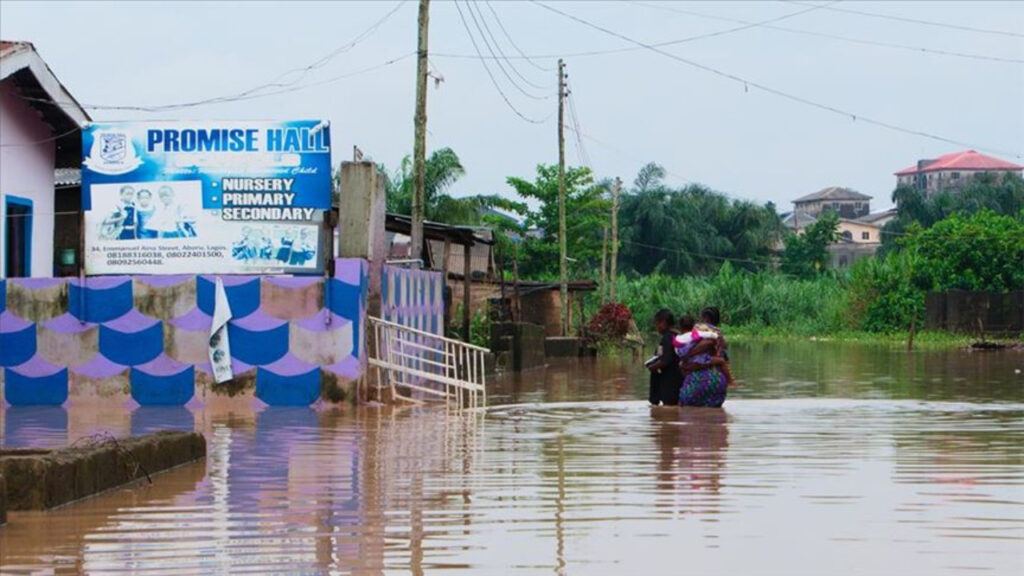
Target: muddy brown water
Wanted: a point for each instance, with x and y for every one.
(827, 459)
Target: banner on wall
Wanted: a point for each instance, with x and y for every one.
(205, 197)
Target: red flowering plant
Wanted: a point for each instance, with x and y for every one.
(612, 323)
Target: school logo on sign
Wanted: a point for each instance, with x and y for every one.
(112, 152)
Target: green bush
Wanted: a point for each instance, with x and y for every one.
(763, 300)
(886, 293)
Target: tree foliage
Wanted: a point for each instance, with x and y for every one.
(443, 169)
(999, 193)
(984, 251)
(587, 213)
(806, 255)
(691, 230)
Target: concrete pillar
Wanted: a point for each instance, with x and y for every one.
(361, 213)
(361, 234)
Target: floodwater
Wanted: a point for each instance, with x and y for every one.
(827, 459)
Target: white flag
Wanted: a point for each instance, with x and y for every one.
(220, 350)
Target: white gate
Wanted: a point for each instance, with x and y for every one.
(427, 365)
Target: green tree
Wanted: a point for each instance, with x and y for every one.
(692, 230)
(999, 193)
(443, 169)
(587, 213)
(806, 255)
(984, 251)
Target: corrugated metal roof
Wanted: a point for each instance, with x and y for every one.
(966, 160)
(67, 177)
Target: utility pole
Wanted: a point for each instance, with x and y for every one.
(604, 266)
(563, 265)
(616, 190)
(419, 149)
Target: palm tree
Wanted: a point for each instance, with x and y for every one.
(442, 170)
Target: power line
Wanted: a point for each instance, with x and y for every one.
(750, 24)
(472, 6)
(634, 157)
(515, 46)
(37, 142)
(490, 75)
(915, 20)
(667, 43)
(581, 150)
(245, 94)
(698, 254)
(850, 39)
(325, 81)
(777, 92)
(494, 51)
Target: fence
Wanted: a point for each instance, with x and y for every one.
(975, 312)
(415, 363)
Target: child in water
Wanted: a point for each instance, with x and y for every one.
(666, 378)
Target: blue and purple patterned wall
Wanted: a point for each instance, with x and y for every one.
(293, 340)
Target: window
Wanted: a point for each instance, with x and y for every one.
(18, 237)
(865, 235)
(847, 235)
(955, 175)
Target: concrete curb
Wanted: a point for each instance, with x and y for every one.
(43, 479)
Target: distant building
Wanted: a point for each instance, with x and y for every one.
(860, 231)
(39, 132)
(952, 171)
(844, 202)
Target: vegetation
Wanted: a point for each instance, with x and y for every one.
(691, 230)
(1002, 194)
(443, 168)
(806, 255)
(685, 248)
(761, 301)
(587, 209)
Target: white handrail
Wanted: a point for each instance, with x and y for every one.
(404, 328)
(414, 359)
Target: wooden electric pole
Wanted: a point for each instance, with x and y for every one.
(419, 149)
(563, 264)
(604, 266)
(616, 190)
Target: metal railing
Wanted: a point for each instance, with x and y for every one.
(419, 365)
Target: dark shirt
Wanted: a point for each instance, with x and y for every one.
(665, 383)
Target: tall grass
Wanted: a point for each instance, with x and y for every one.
(764, 301)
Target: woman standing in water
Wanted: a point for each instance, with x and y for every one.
(705, 382)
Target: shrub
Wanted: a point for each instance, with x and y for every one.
(611, 323)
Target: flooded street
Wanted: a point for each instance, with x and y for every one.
(827, 459)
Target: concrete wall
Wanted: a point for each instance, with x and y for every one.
(845, 254)
(26, 171)
(857, 231)
(294, 340)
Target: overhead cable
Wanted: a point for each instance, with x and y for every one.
(490, 75)
(747, 83)
(947, 25)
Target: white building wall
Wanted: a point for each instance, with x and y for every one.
(26, 170)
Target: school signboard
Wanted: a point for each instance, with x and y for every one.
(205, 197)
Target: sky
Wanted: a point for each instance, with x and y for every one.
(708, 109)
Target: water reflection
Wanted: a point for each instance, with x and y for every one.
(789, 485)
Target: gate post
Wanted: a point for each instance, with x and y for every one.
(361, 234)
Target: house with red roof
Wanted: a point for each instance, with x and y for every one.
(952, 171)
(39, 133)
